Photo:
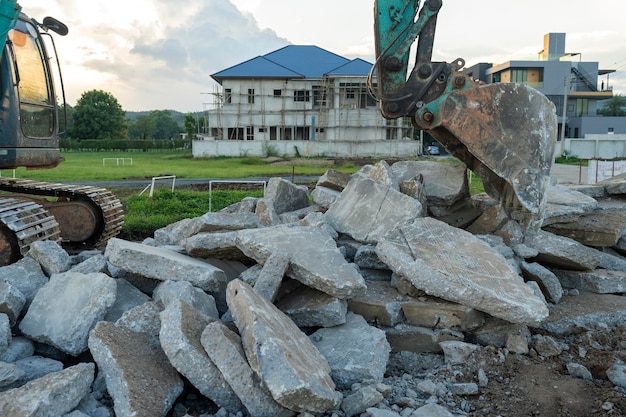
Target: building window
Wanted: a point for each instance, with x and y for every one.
(582, 107)
(250, 133)
(278, 93)
(228, 96)
(611, 131)
(262, 129)
(235, 133)
(250, 95)
(301, 95)
(319, 96)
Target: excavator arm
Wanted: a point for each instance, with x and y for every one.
(504, 133)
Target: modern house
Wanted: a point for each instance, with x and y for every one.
(300, 99)
(577, 89)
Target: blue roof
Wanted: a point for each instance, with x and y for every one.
(295, 61)
(355, 67)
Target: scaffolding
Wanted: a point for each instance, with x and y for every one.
(321, 109)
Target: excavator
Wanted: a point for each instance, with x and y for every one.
(78, 217)
(505, 133)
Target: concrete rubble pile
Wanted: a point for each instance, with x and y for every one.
(297, 303)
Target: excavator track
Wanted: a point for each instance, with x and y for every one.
(23, 222)
(104, 209)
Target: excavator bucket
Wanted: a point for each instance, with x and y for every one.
(504, 133)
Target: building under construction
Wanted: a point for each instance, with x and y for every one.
(299, 93)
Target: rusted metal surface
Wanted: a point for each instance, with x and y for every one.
(505, 133)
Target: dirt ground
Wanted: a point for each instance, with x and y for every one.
(531, 385)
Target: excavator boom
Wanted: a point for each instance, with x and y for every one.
(505, 133)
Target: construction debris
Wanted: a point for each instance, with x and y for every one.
(279, 306)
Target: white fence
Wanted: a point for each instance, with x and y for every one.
(600, 170)
(306, 148)
(117, 160)
(594, 146)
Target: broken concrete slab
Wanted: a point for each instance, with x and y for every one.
(35, 367)
(381, 173)
(308, 307)
(444, 184)
(19, 348)
(127, 297)
(324, 197)
(266, 213)
(291, 367)
(599, 228)
(404, 337)
(144, 319)
(334, 180)
(26, 275)
(51, 256)
(601, 281)
(170, 291)
(53, 395)
(381, 304)
(286, 195)
(225, 350)
(562, 252)
(5, 333)
(313, 256)
(441, 314)
(367, 210)
(455, 265)
(615, 185)
(12, 301)
(548, 282)
(181, 330)
(96, 263)
(363, 359)
(213, 245)
(174, 233)
(162, 264)
(138, 375)
(495, 331)
(67, 308)
(585, 311)
(224, 221)
(268, 281)
(359, 401)
(564, 204)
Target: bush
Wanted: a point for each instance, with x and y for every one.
(122, 144)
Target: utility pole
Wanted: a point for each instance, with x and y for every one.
(567, 88)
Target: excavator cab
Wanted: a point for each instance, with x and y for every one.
(79, 217)
(29, 136)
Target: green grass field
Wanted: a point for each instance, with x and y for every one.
(91, 166)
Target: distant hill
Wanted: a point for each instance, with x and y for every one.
(176, 115)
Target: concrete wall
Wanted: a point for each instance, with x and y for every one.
(594, 146)
(339, 149)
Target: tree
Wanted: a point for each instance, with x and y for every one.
(98, 115)
(190, 125)
(613, 106)
(165, 125)
(144, 127)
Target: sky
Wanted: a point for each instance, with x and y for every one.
(160, 54)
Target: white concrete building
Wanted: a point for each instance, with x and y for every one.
(301, 100)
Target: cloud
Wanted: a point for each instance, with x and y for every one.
(154, 53)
